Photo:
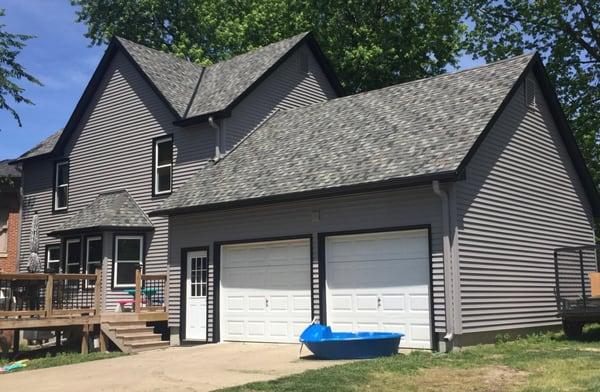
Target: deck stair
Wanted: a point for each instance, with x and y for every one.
(133, 336)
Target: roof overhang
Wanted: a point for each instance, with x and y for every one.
(390, 184)
(96, 229)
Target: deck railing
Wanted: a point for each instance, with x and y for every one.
(150, 292)
(50, 295)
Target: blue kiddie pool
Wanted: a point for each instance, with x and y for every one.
(326, 344)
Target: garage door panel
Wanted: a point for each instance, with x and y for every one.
(273, 279)
(380, 281)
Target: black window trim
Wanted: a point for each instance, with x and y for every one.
(64, 252)
(155, 142)
(56, 209)
(116, 235)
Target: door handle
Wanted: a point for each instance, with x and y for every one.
(266, 302)
(378, 302)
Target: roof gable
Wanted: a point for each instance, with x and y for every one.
(190, 91)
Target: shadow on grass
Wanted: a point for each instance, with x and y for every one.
(591, 333)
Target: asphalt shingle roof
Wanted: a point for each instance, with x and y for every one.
(7, 170)
(44, 147)
(115, 209)
(223, 82)
(412, 129)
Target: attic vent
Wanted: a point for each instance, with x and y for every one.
(529, 92)
(302, 63)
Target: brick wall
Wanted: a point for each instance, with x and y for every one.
(9, 263)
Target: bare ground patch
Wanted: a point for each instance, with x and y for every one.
(449, 379)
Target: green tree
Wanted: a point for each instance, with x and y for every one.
(11, 71)
(567, 35)
(371, 43)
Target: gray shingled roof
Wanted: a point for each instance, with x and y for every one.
(223, 82)
(44, 147)
(175, 78)
(413, 129)
(115, 209)
(7, 170)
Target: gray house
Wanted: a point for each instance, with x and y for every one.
(430, 207)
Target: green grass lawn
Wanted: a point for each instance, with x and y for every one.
(61, 359)
(545, 362)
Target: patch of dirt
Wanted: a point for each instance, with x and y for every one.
(448, 379)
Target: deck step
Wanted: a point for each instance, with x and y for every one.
(145, 337)
(123, 324)
(152, 345)
(133, 329)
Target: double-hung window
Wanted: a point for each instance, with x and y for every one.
(53, 259)
(163, 165)
(128, 258)
(73, 256)
(61, 185)
(93, 256)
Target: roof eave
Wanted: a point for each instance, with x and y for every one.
(394, 183)
(60, 233)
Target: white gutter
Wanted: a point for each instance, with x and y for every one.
(213, 124)
(447, 255)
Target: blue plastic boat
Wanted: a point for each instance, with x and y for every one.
(326, 344)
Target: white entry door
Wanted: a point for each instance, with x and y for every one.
(265, 291)
(196, 288)
(380, 282)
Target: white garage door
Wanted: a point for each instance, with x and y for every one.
(380, 282)
(265, 291)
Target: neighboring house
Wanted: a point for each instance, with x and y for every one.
(10, 188)
(431, 207)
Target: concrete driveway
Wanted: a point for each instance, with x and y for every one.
(199, 368)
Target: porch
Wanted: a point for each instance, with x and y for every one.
(57, 302)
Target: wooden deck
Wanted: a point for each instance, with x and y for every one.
(58, 301)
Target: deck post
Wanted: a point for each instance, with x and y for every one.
(166, 289)
(98, 292)
(49, 292)
(58, 336)
(85, 336)
(138, 290)
(583, 293)
(102, 338)
(16, 342)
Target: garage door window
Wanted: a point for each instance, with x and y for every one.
(128, 258)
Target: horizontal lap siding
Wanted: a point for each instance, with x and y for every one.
(522, 199)
(110, 150)
(288, 87)
(417, 206)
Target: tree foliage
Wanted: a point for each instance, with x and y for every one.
(371, 43)
(567, 35)
(11, 72)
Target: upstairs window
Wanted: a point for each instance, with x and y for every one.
(163, 165)
(3, 232)
(61, 185)
(53, 259)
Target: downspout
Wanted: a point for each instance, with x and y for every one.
(447, 256)
(213, 124)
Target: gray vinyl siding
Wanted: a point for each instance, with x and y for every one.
(521, 199)
(110, 150)
(410, 207)
(287, 87)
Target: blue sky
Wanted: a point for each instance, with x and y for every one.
(60, 57)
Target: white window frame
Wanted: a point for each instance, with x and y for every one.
(4, 217)
(57, 186)
(89, 284)
(157, 142)
(117, 261)
(48, 260)
(67, 264)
